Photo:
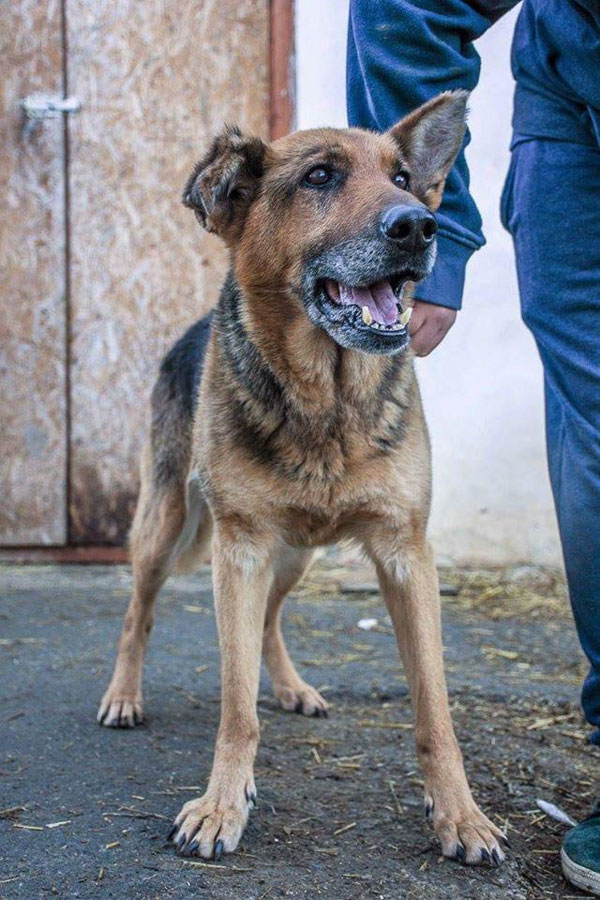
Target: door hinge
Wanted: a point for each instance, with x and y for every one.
(48, 106)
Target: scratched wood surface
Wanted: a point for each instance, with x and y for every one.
(155, 81)
(32, 293)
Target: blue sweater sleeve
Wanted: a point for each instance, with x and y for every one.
(400, 54)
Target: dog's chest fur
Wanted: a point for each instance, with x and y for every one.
(314, 435)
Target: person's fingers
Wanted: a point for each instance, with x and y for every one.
(418, 317)
(428, 326)
(428, 337)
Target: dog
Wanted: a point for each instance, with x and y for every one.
(290, 418)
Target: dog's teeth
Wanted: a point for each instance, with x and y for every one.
(405, 317)
(366, 315)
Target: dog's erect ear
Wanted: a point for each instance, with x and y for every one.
(225, 182)
(430, 139)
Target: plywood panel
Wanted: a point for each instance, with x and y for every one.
(156, 80)
(32, 289)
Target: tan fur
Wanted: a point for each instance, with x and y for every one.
(266, 520)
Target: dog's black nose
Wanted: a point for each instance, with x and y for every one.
(410, 227)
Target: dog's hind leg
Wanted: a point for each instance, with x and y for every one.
(160, 523)
(293, 692)
(172, 524)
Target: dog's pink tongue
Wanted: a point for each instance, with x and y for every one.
(379, 298)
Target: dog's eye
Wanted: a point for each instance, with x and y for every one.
(401, 180)
(238, 192)
(318, 176)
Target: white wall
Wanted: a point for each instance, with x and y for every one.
(483, 386)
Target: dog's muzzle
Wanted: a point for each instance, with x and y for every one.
(354, 290)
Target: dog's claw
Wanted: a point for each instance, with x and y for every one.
(218, 850)
(506, 842)
(495, 857)
(429, 809)
(485, 856)
(181, 842)
(298, 707)
(461, 854)
(172, 832)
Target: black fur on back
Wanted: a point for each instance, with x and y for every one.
(181, 369)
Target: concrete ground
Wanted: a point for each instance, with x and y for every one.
(85, 810)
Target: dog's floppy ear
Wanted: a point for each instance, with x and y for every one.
(225, 182)
(430, 139)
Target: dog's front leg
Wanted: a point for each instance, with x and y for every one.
(213, 824)
(409, 585)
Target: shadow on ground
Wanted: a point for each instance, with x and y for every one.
(85, 810)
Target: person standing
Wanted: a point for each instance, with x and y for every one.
(401, 53)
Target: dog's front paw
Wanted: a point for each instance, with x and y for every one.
(465, 833)
(120, 710)
(213, 824)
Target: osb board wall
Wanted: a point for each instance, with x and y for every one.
(32, 293)
(155, 81)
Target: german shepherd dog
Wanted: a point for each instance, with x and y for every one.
(290, 418)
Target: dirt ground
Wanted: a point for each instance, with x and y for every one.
(85, 810)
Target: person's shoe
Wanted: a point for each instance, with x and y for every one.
(594, 737)
(580, 854)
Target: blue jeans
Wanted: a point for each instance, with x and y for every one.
(551, 206)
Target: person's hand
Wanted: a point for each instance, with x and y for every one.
(429, 325)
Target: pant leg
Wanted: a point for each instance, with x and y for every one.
(552, 209)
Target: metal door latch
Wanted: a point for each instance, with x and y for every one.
(47, 106)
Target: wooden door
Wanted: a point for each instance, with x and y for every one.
(33, 389)
(155, 81)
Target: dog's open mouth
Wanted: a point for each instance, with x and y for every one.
(377, 307)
